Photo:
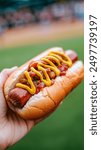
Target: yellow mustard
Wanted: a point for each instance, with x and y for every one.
(57, 57)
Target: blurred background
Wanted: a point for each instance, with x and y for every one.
(28, 27)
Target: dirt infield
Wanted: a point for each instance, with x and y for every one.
(40, 33)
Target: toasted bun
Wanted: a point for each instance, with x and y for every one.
(47, 100)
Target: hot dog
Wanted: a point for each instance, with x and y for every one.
(37, 87)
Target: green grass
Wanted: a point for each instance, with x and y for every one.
(63, 130)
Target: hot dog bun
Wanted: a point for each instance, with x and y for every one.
(47, 100)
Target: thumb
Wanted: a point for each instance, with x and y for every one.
(5, 73)
(3, 77)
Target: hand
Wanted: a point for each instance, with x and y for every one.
(12, 127)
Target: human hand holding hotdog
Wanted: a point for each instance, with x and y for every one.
(31, 91)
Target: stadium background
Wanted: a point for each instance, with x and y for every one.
(29, 27)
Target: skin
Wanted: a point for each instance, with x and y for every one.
(12, 127)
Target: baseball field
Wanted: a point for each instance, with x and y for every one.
(63, 130)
